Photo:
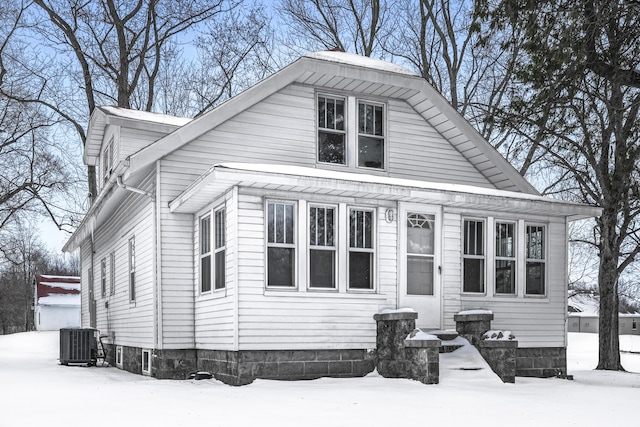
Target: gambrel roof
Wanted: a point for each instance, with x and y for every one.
(352, 73)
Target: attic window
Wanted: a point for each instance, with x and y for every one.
(370, 135)
(331, 129)
(107, 161)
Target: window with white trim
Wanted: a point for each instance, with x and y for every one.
(332, 144)
(112, 272)
(473, 256)
(220, 249)
(281, 244)
(535, 252)
(322, 247)
(420, 253)
(371, 135)
(132, 269)
(361, 248)
(103, 277)
(505, 258)
(205, 253)
(146, 362)
(119, 356)
(107, 161)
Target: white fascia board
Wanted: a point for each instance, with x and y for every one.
(221, 177)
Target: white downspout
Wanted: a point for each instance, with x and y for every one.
(133, 189)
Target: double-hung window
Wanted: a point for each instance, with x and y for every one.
(332, 145)
(205, 253)
(371, 135)
(132, 269)
(473, 257)
(112, 272)
(212, 246)
(281, 244)
(103, 277)
(505, 258)
(322, 247)
(536, 259)
(361, 248)
(220, 249)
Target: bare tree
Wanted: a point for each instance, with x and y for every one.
(32, 175)
(346, 25)
(106, 52)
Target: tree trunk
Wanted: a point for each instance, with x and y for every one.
(608, 339)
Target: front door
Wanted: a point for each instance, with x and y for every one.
(419, 263)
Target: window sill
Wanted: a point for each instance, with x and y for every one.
(287, 293)
(504, 298)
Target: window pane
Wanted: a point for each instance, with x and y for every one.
(321, 226)
(505, 277)
(220, 228)
(322, 268)
(280, 266)
(360, 229)
(535, 278)
(535, 242)
(331, 147)
(420, 234)
(330, 113)
(220, 270)
(505, 240)
(360, 264)
(370, 152)
(205, 235)
(473, 275)
(419, 275)
(473, 237)
(205, 274)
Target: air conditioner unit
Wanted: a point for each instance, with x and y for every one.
(78, 345)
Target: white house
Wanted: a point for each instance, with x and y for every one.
(56, 302)
(259, 239)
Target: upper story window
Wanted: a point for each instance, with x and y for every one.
(473, 258)
(107, 161)
(331, 130)
(281, 244)
(370, 135)
(505, 263)
(351, 132)
(536, 259)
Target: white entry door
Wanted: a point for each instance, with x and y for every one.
(419, 262)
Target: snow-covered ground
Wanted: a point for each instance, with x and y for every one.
(36, 391)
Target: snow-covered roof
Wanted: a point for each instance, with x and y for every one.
(359, 61)
(56, 286)
(66, 300)
(146, 116)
